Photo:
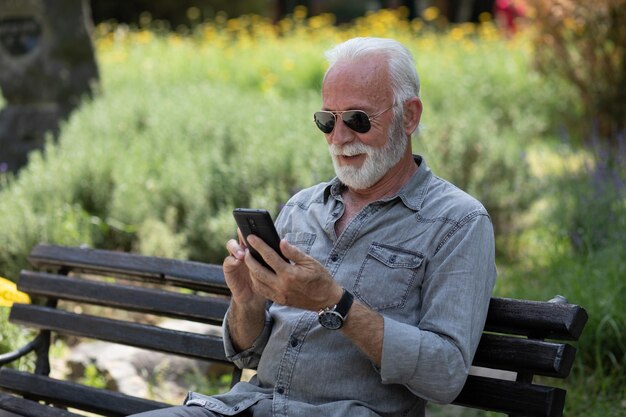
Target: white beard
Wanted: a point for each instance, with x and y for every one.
(378, 161)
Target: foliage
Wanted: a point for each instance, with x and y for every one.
(208, 384)
(134, 164)
(592, 204)
(575, 247)
(188, 127)
(93, 377)
(596, 282)
(585, 43)
(12, 337)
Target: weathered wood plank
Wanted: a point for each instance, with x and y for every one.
(133, 334)
(511, 398)
(524, 355)
(25, 408)
(69, 394)
(153, 301)
(177, 272)
(536, 319)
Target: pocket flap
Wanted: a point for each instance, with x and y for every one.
(395, 257)
(300, 238)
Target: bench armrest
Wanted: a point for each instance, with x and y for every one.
(31, 346)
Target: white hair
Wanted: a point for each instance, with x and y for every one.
(405, 82)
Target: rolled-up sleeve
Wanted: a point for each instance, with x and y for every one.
(433, 359)
(250, 357)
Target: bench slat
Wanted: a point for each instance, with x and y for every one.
(198, 308)
(536, 319)
(524, 355)
(190, 274)
(109, 403)
(133, 334)
(26, 408)
(511, 398)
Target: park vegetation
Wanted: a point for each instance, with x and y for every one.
(188, 125)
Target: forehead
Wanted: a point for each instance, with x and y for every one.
(357, 84)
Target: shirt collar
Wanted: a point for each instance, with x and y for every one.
(412, 193)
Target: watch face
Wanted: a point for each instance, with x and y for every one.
(331, 320)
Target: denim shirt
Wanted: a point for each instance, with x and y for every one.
(423, 259)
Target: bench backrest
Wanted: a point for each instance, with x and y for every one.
(519, 335)
(123, 283)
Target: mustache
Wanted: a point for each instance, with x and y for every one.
(351, 149)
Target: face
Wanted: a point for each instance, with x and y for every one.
(362, 159)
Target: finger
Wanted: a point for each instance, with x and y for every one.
(270, 256)
(253, 265)
(292, 252)
(265, 285)
(230, 260)
(235, 249)
(242, 240)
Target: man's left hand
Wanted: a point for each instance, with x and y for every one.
(303, 283)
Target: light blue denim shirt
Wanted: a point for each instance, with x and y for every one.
(424, 259)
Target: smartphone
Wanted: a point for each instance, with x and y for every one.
(259, 223)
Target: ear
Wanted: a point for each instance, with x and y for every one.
(412, 115)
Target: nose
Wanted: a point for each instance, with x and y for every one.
(341, 134)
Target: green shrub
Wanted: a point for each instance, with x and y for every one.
(13, 337)
(157, 161)
(172, 160)
(484, 109)
(577, 247)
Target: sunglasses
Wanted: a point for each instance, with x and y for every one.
(357, 120)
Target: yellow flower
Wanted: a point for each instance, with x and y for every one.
(144, 36)
(9, 294)
(299, 13)
(457, 34)
(430, 13)
(485, 17)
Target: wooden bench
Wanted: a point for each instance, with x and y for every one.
(515, 338)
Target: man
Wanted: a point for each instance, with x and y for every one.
(382, 304)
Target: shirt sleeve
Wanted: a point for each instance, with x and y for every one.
(433, 359)
(250, 357)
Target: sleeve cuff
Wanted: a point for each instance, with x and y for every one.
(248, 358)
(401, 345)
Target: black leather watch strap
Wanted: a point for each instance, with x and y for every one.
(344, 304)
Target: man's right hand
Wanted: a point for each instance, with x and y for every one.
(237, 275)
(246, 316)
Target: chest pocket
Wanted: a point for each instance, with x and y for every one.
(387, 276)
(302, 240)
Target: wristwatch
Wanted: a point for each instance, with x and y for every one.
(333, 317)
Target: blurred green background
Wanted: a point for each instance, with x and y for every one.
(192, 121)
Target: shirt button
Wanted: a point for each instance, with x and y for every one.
(334, 257)
(293, 342)
(280, 390)
(236, 408)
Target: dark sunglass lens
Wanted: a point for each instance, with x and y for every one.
(357, 120)
(325, 121)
